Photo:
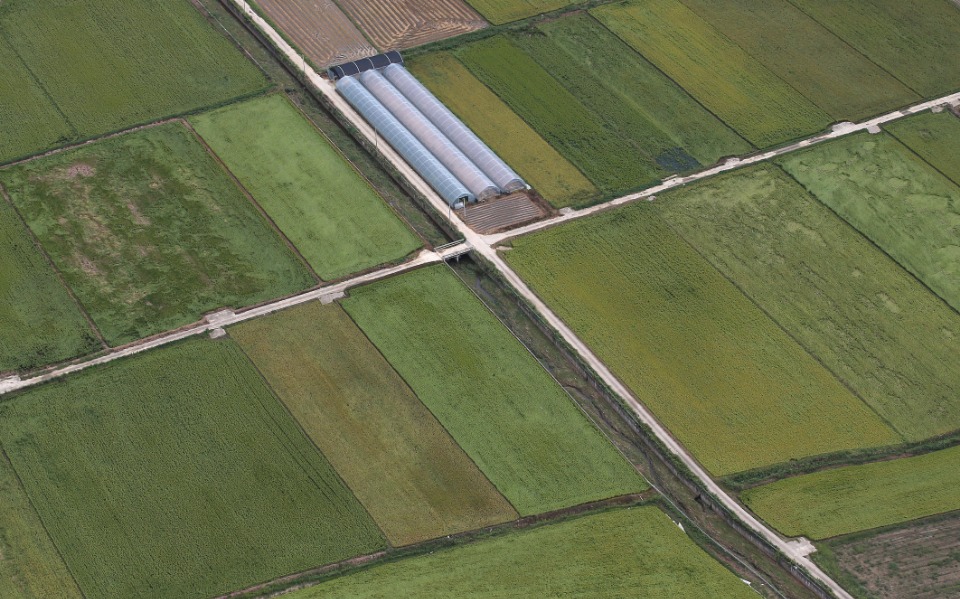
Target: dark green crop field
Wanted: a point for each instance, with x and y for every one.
(150, 232)
(178, 474)
(103, 65)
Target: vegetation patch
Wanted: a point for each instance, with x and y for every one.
(484, 387)
(39, 321)
(402, 465)
(29, 120)
(935, 137)
(321, 203)
(760, 106)
(553, 176)
(151, 233)
(178, 474)
(591, 556)
(105, 65)
(844, 500)
(893, 197)
(499, 12)
(865, 318)
(30, 567)
(632, 95)
(602, 153)
(916, 41)
(722, 376)
(814, 61)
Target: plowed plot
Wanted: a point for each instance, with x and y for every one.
(320, 29)
(403, 24)
(921, 561)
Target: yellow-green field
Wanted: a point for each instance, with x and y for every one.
(722, 376)
(390, 450)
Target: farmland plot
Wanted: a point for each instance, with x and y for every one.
(844, 500)
(935, 137)
(865, 318)
(177, 474)
(29, 121)
(320, 202)
(577, 133)
(760, 106)
(499, 12)
(920, 560)
(893, 197)
(150, 232)
(818, 64)
(320, 29)
(592, 556)
(483, 386)
(39, 321)
(401, 24)
(552, 175)
(611, 79)
(917, 41)
(724, 378)
(410, 475)
(30, 567)
(110, 64)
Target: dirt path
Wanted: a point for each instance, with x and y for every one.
(217, 320)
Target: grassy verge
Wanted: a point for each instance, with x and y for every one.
(390, 450)
(322, 205)
(499, 12)
(760, 106)
(483, 386)
(150, 232)
(178, 474)
(894, 198)
(844, 500)
(595, 556)
(857, 311)
(39, 321)
(722, 376)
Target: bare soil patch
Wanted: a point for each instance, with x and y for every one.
(320, 29)
(403, 24)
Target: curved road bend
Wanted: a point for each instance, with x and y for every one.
(796, 550)
(223, 318)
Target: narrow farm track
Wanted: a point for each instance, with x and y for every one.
(796, 550)
(838, 131)
(223, 318)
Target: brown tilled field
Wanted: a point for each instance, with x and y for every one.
(320, 29)
(920, 561)
(400, 24)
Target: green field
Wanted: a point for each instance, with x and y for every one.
(336, 220)
(760, 106)
(916, 41)
(935, 137)
(864, 317)
(841, 81)
(636, 552)
(104, 65)
(843, 500)
(483, 386)
(603, 154)
(401, 464)
(504, 11)
(150, 232)
(552, 175)
(28, 119)
(178, 474)
(893, 197)
(722, 376)
(631, 96)
(30, 567)
(39, 321)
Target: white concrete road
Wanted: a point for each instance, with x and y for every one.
(796, 550)
(214, 323)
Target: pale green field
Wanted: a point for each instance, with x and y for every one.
(935, 137)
